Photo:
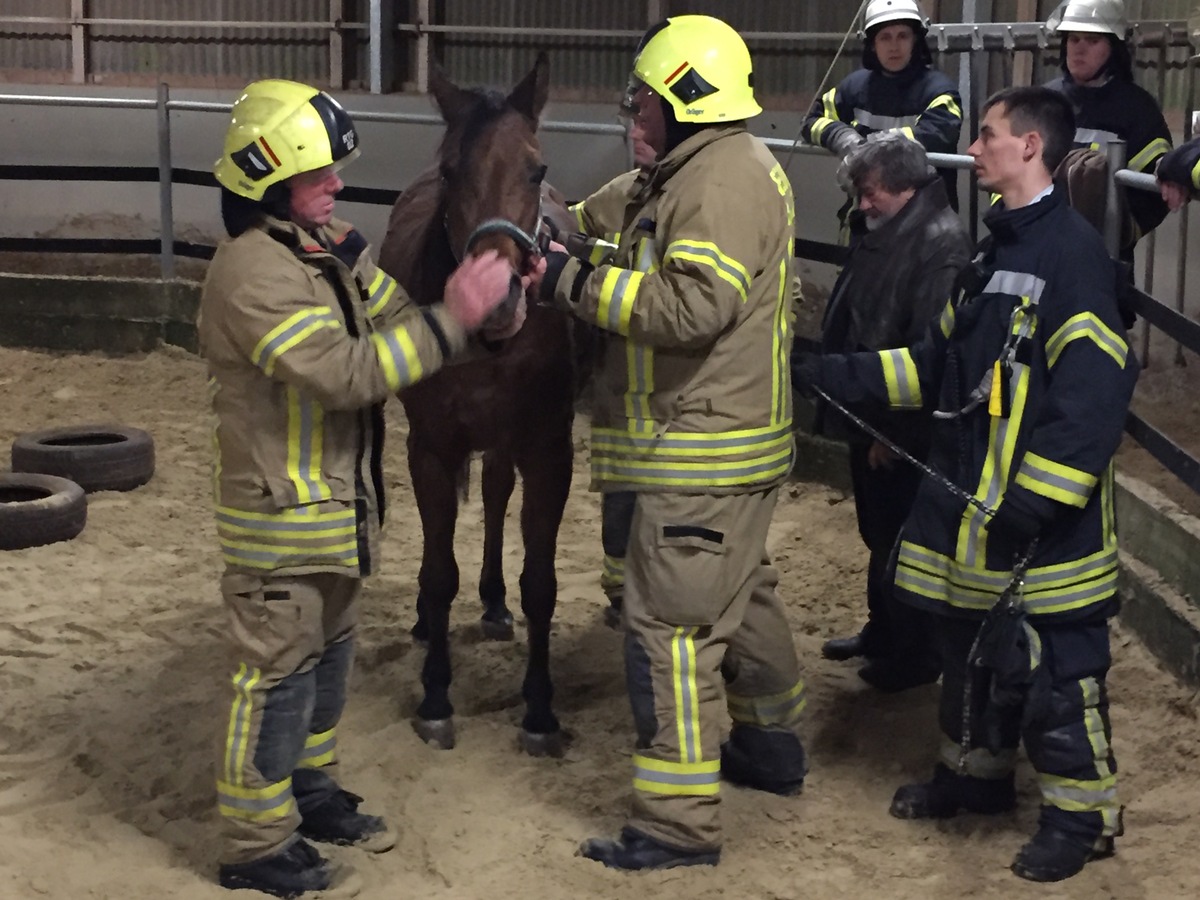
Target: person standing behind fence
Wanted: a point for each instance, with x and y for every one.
(906, 249)
(693, 413)
(897, 89)
(1031, 373)
(304, 339)
(1178, 174)
(1098, 80)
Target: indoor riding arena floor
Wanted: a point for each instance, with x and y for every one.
(112, 663)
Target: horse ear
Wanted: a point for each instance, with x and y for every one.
(530, 95)
(451, 100)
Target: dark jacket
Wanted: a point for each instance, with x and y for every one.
(1182, 165)
(1044, 325)
(1122, 110)
(897, 279)
(922, 102)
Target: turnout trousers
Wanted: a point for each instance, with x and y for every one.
(1064, 722)
(292, 643)
(882, 500)
(706, 643)
(616, 519)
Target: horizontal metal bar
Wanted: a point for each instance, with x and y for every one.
(1138, 180)
(1176, 324)
(207, 24)
(1181, 464)
(53, 100)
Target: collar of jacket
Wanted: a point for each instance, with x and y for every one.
(1005, 225)
(305, 243)
(678, 158)
(928, 200)
(1077, 91)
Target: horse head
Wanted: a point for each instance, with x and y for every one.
(491, 166)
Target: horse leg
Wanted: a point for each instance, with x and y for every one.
(546, 474)
(499, 478)
(434, 485)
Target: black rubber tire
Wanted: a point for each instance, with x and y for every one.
(96, 457)
(39, 509)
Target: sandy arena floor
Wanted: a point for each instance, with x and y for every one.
(110, 666)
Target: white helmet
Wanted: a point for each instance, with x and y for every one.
(880, 12)
(1095, 16)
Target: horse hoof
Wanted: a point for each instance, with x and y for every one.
(494, 630)
(437, 733)
(553, 744)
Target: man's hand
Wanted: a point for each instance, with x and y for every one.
(880, 456)
(477, 286)
(1174, 195)
(806, 372)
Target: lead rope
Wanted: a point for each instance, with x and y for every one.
(824, 82)
(1012, 595)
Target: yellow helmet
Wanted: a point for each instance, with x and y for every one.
(701, 66)
(280, 129)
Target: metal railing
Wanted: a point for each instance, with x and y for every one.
(1184, 331)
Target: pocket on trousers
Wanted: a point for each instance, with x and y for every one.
(687, 575)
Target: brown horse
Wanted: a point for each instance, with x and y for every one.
(512, 401)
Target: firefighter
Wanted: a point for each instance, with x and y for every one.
(1030, 374)
(897, 89)
(693, 414)
(1178, 174)
(304, 339)
(1097, 77)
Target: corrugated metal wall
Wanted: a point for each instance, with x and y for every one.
(585, 67)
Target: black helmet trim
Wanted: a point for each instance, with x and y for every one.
(690, 87)
(253, 160)
(343, 137)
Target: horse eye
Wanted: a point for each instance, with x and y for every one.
(539, 174)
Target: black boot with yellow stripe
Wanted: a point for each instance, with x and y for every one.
(1055, 855)
(633, 851)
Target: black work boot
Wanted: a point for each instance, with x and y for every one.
(612, 612)
(891, 676)
(293, 871)
(771, 761)
(633, 851)
(948, 793)
(843, 648)
(338, 821)
(1053, 854)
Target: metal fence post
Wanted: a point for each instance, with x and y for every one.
(79, 55)
(1114, 200)
(166, 211)
(1181, 265)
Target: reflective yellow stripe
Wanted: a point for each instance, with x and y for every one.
(687, 695)
(1088, 325)
(1048, 589)
(306, 439)
(397, 357)
(1055, 480)
(382, 289)
(707, 253)
(1196, 176)
(673, 444)
(618, 292)
(289, 333)
(1148, 154)
(577, 209)
(319, 750)
(948, 102)
(908, 133)
(900, 376)
(237, 736)
(656, 776)
(744, 472)
(265, 804)
(780, 370)
(946, 323)
(639, 363)
(613, 572)
(1071, 795)
(288, 538)
(781, 709)
(829, 101)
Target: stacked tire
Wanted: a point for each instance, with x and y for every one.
(44, 498)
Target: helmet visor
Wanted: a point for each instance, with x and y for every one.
(629, 107)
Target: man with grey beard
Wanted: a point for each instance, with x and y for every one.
(906, 248)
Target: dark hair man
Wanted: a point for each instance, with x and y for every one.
(1030, 373)
(907, 246)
